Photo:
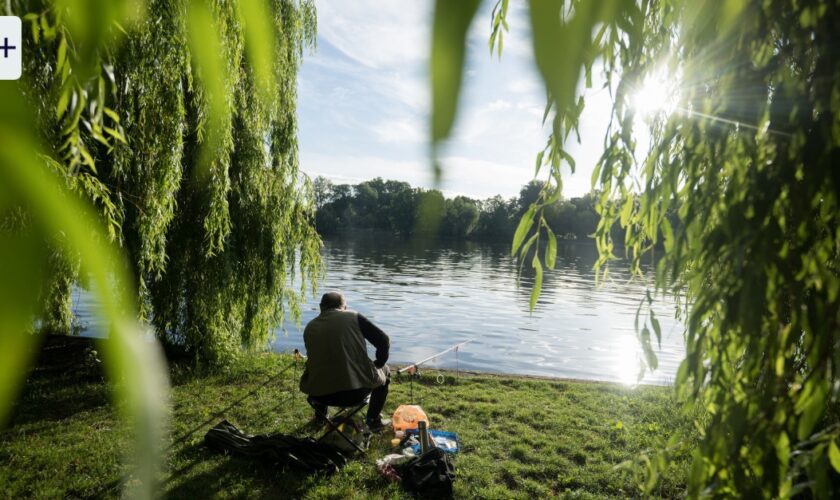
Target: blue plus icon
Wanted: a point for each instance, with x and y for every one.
(6, 48)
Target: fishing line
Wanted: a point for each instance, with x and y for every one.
(417, 364)
(414, 368)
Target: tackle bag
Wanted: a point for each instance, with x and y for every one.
(305, 455)
(429, 475)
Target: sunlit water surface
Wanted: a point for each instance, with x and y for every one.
(428, 296)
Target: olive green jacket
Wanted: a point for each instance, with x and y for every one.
(337, 358)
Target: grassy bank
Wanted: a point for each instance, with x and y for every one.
(522, 438)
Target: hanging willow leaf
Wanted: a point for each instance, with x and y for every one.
(551, 34)
(538, 279)
(551, 249)
(656, 328)
(522, 229)
(834, 455)
(647, 349)
(451, 22)
(812, 406)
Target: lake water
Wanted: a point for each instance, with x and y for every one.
(428, 296)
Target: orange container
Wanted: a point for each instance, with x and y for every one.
(407, 416)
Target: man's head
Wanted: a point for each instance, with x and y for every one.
(333, 300)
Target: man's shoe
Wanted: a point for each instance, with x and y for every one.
(314, 423)
(378, 425)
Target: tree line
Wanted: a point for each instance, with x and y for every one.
(403, 210)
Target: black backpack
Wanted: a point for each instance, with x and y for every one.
(429, 475)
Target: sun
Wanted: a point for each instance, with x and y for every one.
(656, 95)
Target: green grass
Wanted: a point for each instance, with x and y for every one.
(521, 438)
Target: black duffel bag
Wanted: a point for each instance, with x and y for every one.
(304, 455)
(429, 475)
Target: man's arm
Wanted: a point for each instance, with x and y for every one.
(376, 337)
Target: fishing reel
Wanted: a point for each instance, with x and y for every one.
(412, 372)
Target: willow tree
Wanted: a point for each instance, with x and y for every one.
(196, 169)
(138, 127)
(744, 149)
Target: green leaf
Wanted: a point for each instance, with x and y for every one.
(451, 22)
(522, 229)
(63, 101)
(524, 252)
(550, 36)
(539, 163)
(116, 134)
(834, 455)
(129, 357)
(596, 173)
(538, 279)
(61, 57)
(569, 159)
(657, 328)
(668, 233)
(73, 121)
(18, 299)
(783, 448)
(626, 211)
(647, 349)
(112, 114)
(87, 158)
(550, 249)
(36, 32)
(812, 408)
(256, 17)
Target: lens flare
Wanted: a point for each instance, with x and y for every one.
(656, 95)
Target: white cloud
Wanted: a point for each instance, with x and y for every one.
(502, 129)
(411, 90)
(377, 33)
(524, 86)
(406, 130)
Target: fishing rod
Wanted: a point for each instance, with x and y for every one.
(417, 364)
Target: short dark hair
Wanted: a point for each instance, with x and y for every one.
(332, 300)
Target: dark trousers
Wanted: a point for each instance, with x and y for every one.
(378, 395)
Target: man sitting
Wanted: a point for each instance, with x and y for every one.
(338, 371)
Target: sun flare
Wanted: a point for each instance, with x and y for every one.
(657, 94)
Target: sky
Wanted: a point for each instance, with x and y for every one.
(364, 103)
